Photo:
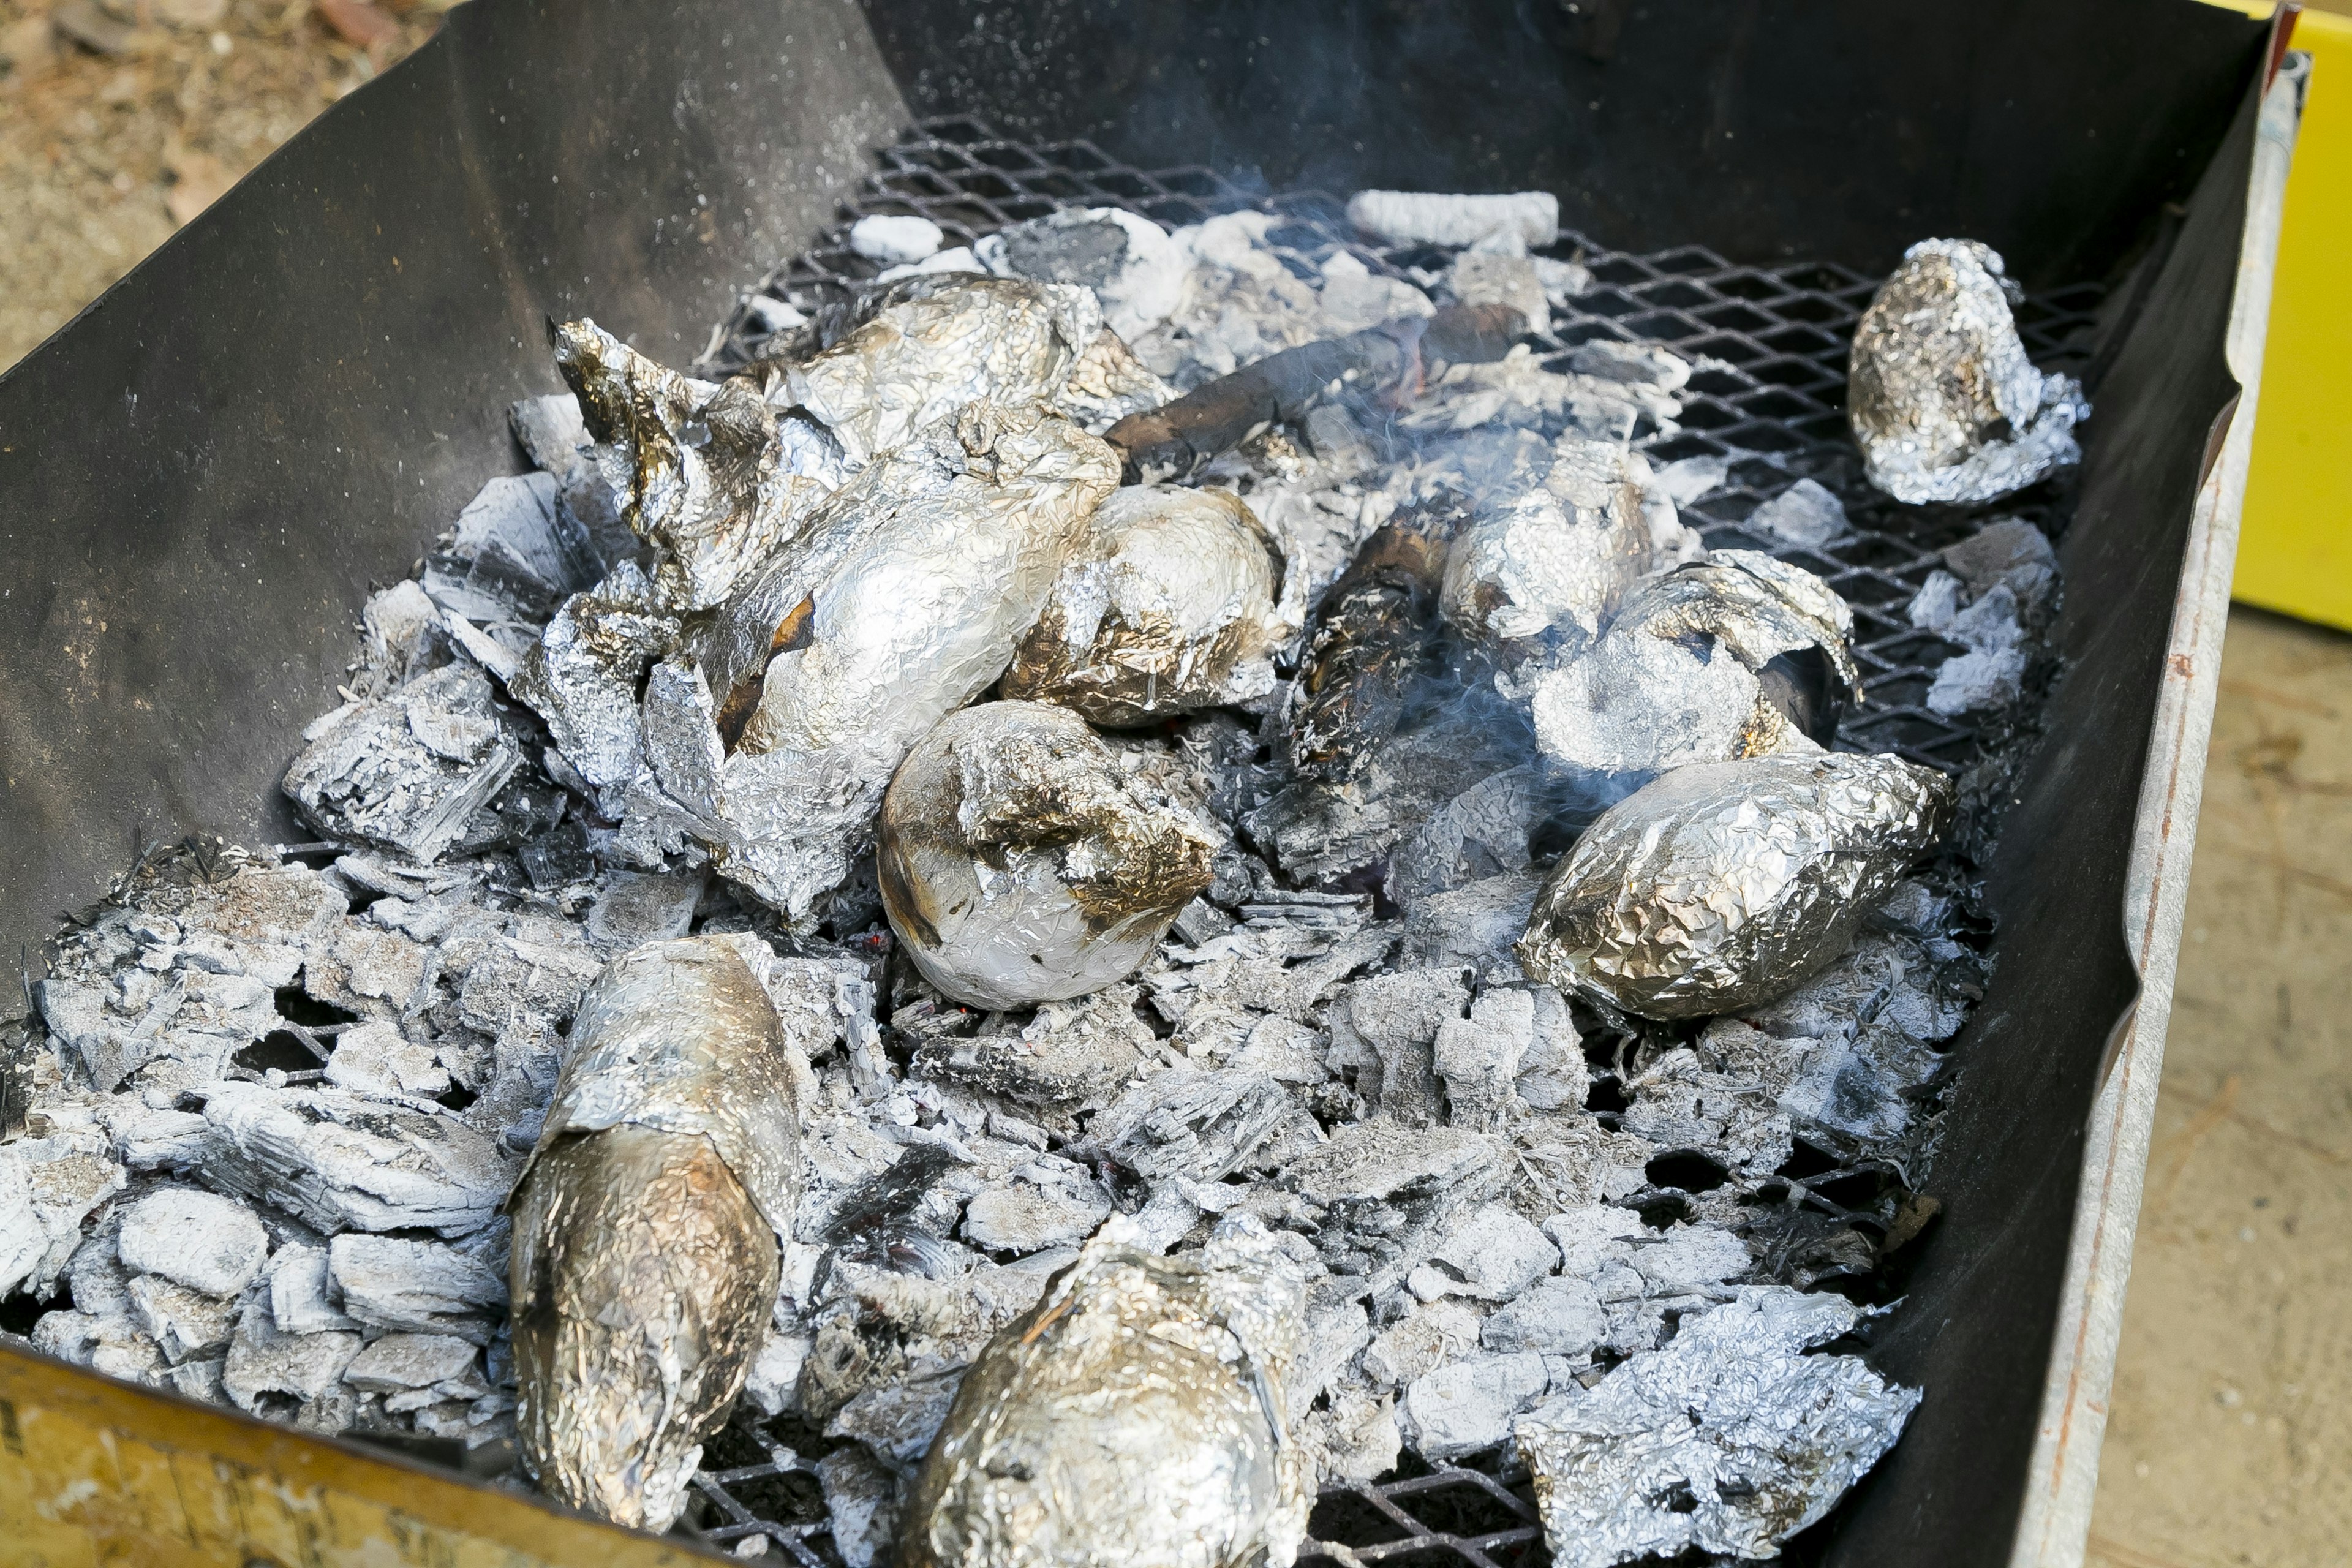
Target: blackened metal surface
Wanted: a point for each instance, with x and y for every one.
(201, 476)
(1844, 129)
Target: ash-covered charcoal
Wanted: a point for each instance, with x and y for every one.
(928, 347)
(1730, 1439)
(914, 585)
(1167, 607)
(1740, 654)
(1071, 1055)
(2007, 576)
(1944, 403)
(1020, 864)
(409, 770)
(583, 674)
(1134, 269)
(648, 1225)
(555, 438)
(340, 1161)
(514, 553)
(709, 474)
(1139, 1412)
(896, 239)
(1807, 513)
(1519, 219)
(1727, 885)
(1389, 1192)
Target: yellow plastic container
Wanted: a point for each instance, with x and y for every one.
(2295, 552)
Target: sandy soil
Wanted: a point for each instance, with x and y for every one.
(104, 153)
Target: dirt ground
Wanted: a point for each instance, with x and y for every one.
(2229, 1440)
(105, 151)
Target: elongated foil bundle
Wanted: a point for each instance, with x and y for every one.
(1020, 864)
(709, 474)
(929, 346)
(1944, 402)
(1556, 558)
(646, 1226)
(1725, 884)
(1137, 1415)
(1741, 654)
(1169, 607)
(903, 603)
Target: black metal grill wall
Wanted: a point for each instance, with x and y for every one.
(200, 477)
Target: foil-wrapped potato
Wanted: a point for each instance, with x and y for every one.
(1740, 654)
(1020, 864)
(1137, 1415)
(1727, 885)
(1169, 606)
(1943, 401)
(648, 1225)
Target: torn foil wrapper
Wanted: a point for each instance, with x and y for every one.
(929, 346)
(1740, 654)
(709, 474)
(1136, 1414)
(1019, 862)
(905, 601)
(1169, 607)
(1943, 401)
(1722, 886)
(1728, 1440)
(648, 1221)
(583, 674)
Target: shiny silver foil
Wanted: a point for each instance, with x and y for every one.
(648, 1225)
(1943, 401)
(904, 601)
(1674, 678)
(1725, 884)
(1557, 558)
(1107, 382)
(932, 345)
(1728, 1440)
(1021, 864)
(583, 674)
(709, 474)
(1169, 607)
(1137, 1414)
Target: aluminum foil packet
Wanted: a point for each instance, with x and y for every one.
(1137, 1414)
(1944, 403)
(1725, 884)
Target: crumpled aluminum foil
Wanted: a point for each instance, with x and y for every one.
(1728, 1440)
(1021, 864)
(932, 344)
(1107, 382)
(583, 674)
(1741, 654)
(648, 1224)
(1559, 557)
(1725, 884)
(1135, 269)
(1943, 401)
(905, 600)
(1136, 1414)
(1170, 607)
(709, 474)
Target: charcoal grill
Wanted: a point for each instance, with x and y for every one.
(208, 469)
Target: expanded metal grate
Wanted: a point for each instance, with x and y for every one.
(1770, 344)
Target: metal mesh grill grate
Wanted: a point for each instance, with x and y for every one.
(1770, 344)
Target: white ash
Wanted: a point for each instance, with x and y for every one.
(894, 237)
(197, 1239)
(2008, 574)
(1807, 513)
(1428, 217)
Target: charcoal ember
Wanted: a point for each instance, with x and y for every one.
(1729, 1439)
(1020, 864)
(338, 1161)
(1561, 1316)
(648, 1224)
(401, 636)
(1568, 1161)
(1201, 1125)
(408, 770)
(1071, 1055)
(1803, 1247)
(417, 1286)
(398, 1364)
(1388, 1193)
(298, 1282)
(1167, 607)
(2007, 552)
(1516, 1054)
(375, 1060)
(1557, 559)
(1107, 383)
(513, 554)
(898, 1422)
(1990, 671)
(1943, 401)
(146, 1139)
(1353, 1438)
(916, 583)
(583, 674)
(554, 436)
(540, 970)
(1129, 262)
(1384, 1032)
(709, 474)
(1738, 656)
(1151, 1386)
(362, 968)
(1634, 1275)
(48, 1187)
(557, 858)
(927, 346)
(1725, 886)
(1519, 219)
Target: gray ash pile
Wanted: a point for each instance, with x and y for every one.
(1389, 927)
